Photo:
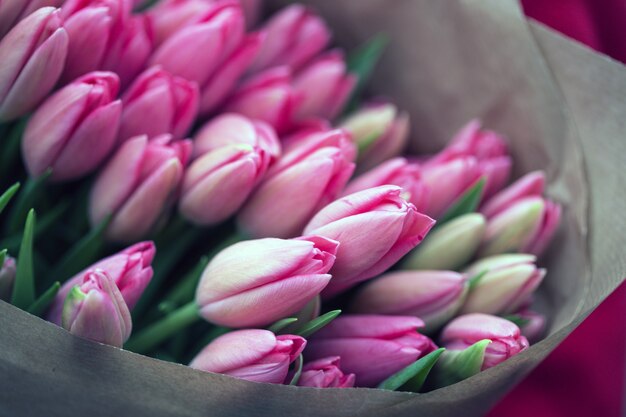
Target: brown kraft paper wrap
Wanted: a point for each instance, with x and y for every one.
(562, 107)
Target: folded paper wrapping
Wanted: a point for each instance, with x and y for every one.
(449, 60)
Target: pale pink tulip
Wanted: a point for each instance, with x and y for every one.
(376, 227)
(75, 129)
(137, 185)
(32, 54)
(170, 16)
(257, 282)
(371, 347)
(254, 355)
(325, 373)
(13, 11)
(310, 174)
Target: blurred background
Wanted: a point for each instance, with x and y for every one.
(585, 376)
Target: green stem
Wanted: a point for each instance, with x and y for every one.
(160, 331)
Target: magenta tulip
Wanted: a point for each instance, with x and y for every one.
(295, 35)
(380, 131)
(254, 355)
(75, 129)
(376, 227)
(96, 310)
(32, 54)
(238, 153)
(13, 11)
(371, 347)
(7, 278)
(464, 331)
(137, 185)
(433, 296)
(129, 269)
(256, 282)
(310, 174)
(268, 96)
(325, 373)
(396, 171)
(157, 103)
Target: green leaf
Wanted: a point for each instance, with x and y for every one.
(466, 203)
(7, 195)
(3, 255)
(473, 281)
(281, 324)
(316, 324)
(50, 218)
(298, 367)
(457, 365)
(24, 287)
(362, 62)
(517, 319)
(31, 192)
(84, 252)
(43, 302)
(413, 376)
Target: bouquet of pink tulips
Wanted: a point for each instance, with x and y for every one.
(205, 183)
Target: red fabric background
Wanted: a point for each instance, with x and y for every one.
(585, 375)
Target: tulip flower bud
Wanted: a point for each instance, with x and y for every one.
(450, 246)
(254, 355)
(217, 33)
(489, 149)
(371, 347)
(268, 96)
(137, 185)
(433, 296)
(295, 35)
(507, 284)
(324, 86)
(310, 174)
(256, 282)
(75, 129)
(157, 103)
(96, 310)
(376, 227)
(396, 171)
(7, 278)
(325, 373)
(130, 270)
(531, 184)
(218, 182)
(33, 54)
(380, 131)
(464, 331)
(13, 11)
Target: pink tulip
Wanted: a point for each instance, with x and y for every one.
(257, 282)
(376, 227)
(170, 16)
(433, 296)
(238, 153)
(489, 149)
(325, 373)
(507, 284)
(96, 310)
(381, 132)
(464, 331)
(13, 11)
(520, 219)
(137, 185)
(75, 129)
(268, 96)
(396, 171)
(32, 54)
(534, 325)
(196, 51)
(158, 102)
(371, 347)
(295, 35)
(310, 174)
(222, 83)
(255, 355)
(325, 87)
(129, 269)
(93, 27)
(7, 278)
